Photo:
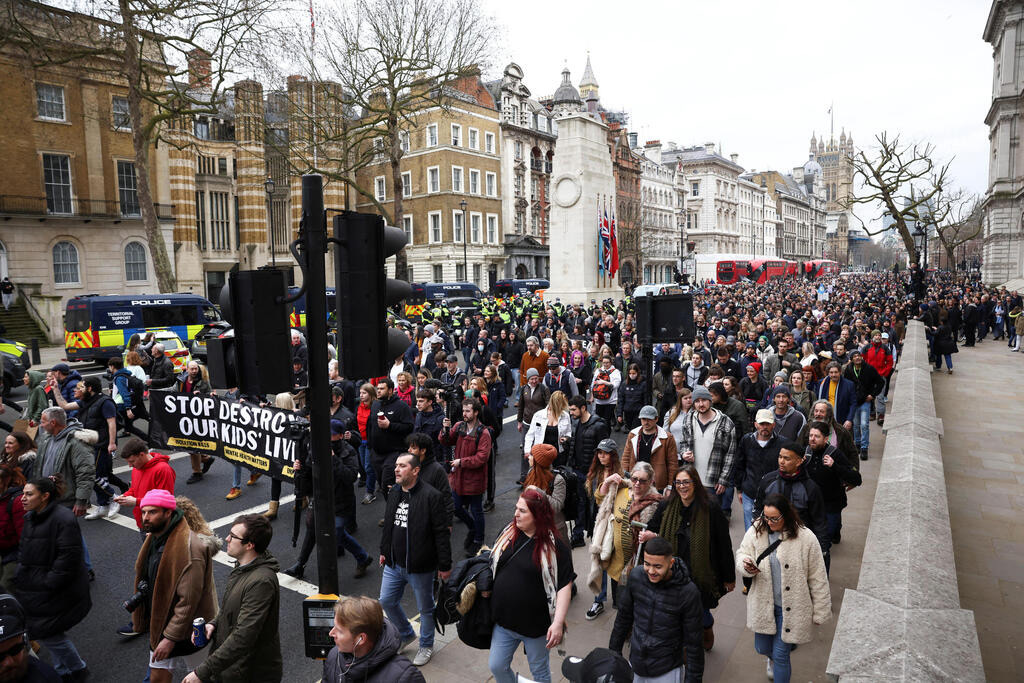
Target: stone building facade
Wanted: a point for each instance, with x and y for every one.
(626, 169)
(1003, 205)
(662, 211)
(712, 202)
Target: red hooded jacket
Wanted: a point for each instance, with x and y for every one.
(155, 474)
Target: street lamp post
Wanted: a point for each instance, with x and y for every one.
(268, 185)
(465, 228)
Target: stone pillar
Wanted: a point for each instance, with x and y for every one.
(254, 231)
(181, 162)
(582, 183)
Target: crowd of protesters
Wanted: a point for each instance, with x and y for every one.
(771, 404)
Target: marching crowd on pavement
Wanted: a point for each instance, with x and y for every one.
(770, 404)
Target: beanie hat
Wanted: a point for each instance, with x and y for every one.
(756, 366)
(159, 498)
(544, 454)
(531, 372)
(701, 393)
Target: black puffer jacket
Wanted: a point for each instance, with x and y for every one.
(753, 462)
(584, 442)
(51, 580)
(383, 664)
(802, 492)
(661, 620)
(392, 439)
(831, 480)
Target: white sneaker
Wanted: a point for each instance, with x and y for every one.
(423, 656)
(770, 671)
(97, 512)
(112, 509)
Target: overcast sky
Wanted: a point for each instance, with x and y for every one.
(759, 77)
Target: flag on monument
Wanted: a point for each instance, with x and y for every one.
(606, 243)
(614, 265)
(600, 241)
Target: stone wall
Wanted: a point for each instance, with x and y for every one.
(904, 622)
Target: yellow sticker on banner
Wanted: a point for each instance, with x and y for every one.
(192, 444)
(287, 471)
(248, 458)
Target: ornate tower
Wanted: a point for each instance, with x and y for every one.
(588, 84)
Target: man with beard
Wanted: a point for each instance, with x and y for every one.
(833, 474)
(17, 665)
(174, 573)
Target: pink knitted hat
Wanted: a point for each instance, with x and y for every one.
(159, 498)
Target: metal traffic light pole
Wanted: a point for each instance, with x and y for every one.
(313, 242)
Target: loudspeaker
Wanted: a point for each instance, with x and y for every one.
(262, 336)
(666, 318)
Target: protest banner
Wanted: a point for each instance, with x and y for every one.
(262, 439)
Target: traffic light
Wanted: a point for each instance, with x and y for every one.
(257, 359)
(364, 293)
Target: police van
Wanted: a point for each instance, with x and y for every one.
(97, 327)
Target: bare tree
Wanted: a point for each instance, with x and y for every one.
(147, 44)
(391, 59)
(902, 179)
(956, 221)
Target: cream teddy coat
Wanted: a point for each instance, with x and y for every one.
(806, 599)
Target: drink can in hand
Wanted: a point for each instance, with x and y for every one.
(199, 632)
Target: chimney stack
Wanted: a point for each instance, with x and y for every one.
(198, 68)
(709, 147)
(734, 157)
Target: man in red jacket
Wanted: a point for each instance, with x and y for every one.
(149, 471)
(877, 355)
(468, 478)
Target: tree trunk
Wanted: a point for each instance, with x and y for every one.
(395, 157)
(140, 140)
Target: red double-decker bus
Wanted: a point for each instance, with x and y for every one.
(729, 272)
(820, 268)
(762, 270)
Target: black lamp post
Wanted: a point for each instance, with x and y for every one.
(465, 228)
(268, 185)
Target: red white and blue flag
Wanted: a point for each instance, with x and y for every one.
(613, 266)
(608, 244)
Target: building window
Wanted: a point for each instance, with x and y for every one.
(474, 227)
(50, 102)
(432, 135)
(456, 179)
(202, 129)
(119, 115)
(222, 166)
(433, 179)
(438, 273)
(519, 184)
(407, 184)
(65, 264)
(456, 135)
(220, 223)
(201, 219)
(57, 180)
(460, 272)
(695, 189)
(489, 143)
(519, 149)
(380, 188)
(474, 181)
(407, 227)
(457, 224)
(474, 138)
(520, 222)
(434, 219)
(134, 261)
(476, 275)
(127, 189)
(534, 187)
(492, 229)
(404, 141)
(490, 184)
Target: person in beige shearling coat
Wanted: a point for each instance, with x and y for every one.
(789, 592)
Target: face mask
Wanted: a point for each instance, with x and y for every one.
(479, 347)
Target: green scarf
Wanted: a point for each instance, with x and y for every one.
(700, 544)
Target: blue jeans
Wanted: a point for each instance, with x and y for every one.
(392, 587)
(364, 457)
(345, 540)
(833, 523)
(583, 521)
(727, 501)
(236, 477)
(862, 425)
(64, 654)
(949, 361)
(748, 511)
(771, 646)
(603, 595)
(474, 519)
(85, 555)
(503, 646)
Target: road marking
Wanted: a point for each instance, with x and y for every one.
(510, 418)
(255, 509)
(128, 468)
(291, 583)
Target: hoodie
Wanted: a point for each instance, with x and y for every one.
(67, 389)
(382, 664)
(37, 402)
(155, 474)
(788, 426)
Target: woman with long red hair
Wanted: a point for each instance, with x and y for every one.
(532, 587)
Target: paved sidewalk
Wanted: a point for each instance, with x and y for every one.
(733, 657)
(983, 456)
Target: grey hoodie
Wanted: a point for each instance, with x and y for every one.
(788, 426)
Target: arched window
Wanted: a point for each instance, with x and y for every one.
(134, 261)
(65, 264)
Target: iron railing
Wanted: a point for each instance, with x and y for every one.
(77, 208)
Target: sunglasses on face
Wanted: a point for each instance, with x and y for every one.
(639, 480)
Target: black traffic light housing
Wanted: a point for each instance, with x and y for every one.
(364, 293)
(258, 359)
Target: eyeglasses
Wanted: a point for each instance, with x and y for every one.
(14, 650)
(639, 480)
(772, 520)
(241, 540)
(684, 484)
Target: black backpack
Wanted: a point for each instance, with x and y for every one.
(137, 388)
(572, 497)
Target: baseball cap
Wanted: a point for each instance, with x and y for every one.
(608, 446)
(648, 413)
(601, 665)
(337, 427)
(12, 617)
(764, 415)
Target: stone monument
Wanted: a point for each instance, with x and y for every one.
(582, 188)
